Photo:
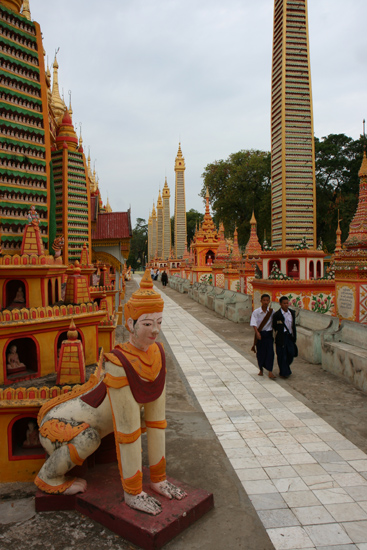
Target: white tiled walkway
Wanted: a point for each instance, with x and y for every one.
(306, 481)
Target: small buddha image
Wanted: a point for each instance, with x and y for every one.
(295, 267)
(32, 437)
(13, 363)
(19, 297)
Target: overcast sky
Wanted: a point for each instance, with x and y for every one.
(146, 74)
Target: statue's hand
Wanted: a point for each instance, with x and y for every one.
(79, 486)
(144, 503)
(167, 489)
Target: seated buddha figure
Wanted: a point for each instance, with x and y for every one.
(32, 437)
(13, 362)
(134, 377)
(19, 297)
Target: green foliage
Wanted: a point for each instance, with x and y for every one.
(338, 160)
(237, 186)
(138, 245)
(193, 217)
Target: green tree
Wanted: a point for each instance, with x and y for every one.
(237, 186)
(193, 218)
(138, 244)
(338, 159)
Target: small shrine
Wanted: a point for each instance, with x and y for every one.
(205, 245)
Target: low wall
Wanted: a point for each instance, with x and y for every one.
(234, 306)
(344, 353)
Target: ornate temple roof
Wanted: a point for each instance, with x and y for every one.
(236, 253)
(357, 237)
(207, 229)
(166, 192)
(222, 254)
(66, 133)
(112, 225)
(253, 247)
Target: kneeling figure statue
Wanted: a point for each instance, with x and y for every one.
(71, 426)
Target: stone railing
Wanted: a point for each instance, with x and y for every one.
(179, 284)
(344, 353)
(234, 306)
(311, 327)
(36, 313)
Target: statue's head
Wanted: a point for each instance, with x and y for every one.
(143, 314)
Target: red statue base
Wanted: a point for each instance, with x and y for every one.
(103, 501)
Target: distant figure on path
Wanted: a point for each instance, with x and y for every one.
(261, 320)
(284, 324)
(164, 278)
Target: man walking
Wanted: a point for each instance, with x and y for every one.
(284, 324)
(261, 320)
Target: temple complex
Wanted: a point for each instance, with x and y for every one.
(62, 252)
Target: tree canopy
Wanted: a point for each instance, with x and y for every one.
(138, 244)
(237, 186)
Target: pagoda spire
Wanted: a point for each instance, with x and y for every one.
(222, 252)
(357, 237)
(253, 247)
(207, 211)
(26, 12)
(236, 253)
(58, 104)
(338, 245)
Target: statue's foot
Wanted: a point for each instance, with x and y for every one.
(168, 490)
(79, 486)
(144, 503)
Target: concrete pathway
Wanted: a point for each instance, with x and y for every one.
(306, 481)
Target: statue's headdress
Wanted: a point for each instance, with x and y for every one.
(144, 300)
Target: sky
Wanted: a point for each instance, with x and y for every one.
(145, 75)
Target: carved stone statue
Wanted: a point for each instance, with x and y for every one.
(19, 297)
(32, 437)
(71, 428)
(58, 245)
(13, 363)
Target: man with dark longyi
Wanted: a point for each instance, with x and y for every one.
(261, 320)
(284, 324)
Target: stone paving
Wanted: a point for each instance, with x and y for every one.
(307, 482)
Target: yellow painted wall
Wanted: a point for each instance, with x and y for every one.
(47, 342)
(16, 470)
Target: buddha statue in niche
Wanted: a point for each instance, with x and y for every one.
(32, 437)
(19, 297)
(134, 378)
(13, 362)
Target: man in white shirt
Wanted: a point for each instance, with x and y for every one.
(284, 324)
(261, 320)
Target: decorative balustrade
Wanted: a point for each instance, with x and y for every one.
(35, 313)
(26, 394)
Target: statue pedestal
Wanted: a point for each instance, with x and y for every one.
(104, 502)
